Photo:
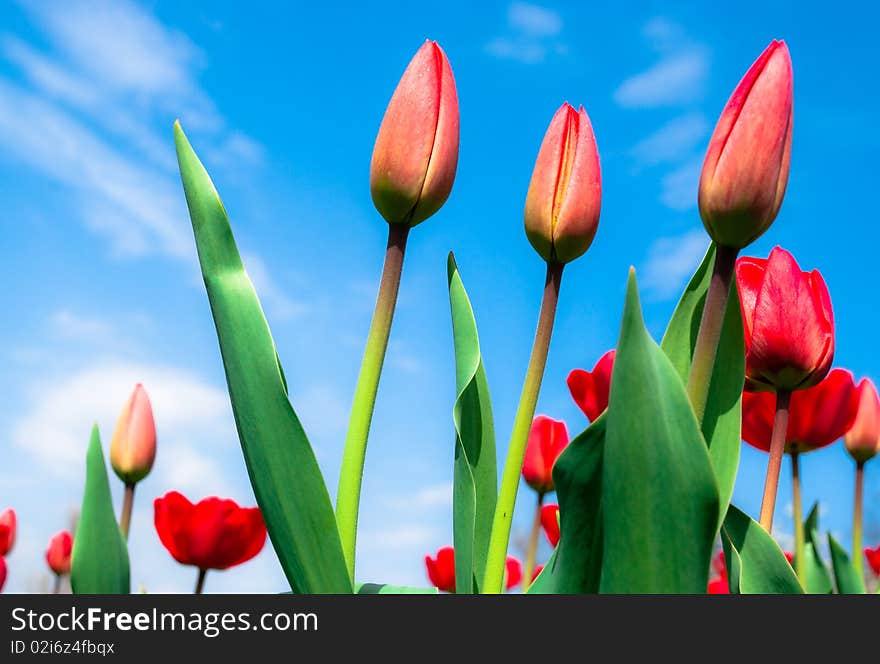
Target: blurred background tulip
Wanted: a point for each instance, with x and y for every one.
(441, 569)
(862, 441)
(871, 555)
(214, 533)
(550, 523)
(536, 573)
(7, 531)
(719, 584)
(2, 572)
(513, 574)
(589, 389)
(746, 167)
(58, 556)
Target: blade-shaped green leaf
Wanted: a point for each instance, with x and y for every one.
(659, 495)
(545, 583)
(846, 577)
(723, 416)
(386, 589)
(99, 563)
(475, 484)
(755, 563)
(283, 470)
(818, 578)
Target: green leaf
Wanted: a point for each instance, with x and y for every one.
(546, 583)
(659, 495)
(818, 578)
(385, 589)
(99, 564)
(283, 470)
(846, 577)
(723, 416)
(755, 563)
(475, 483)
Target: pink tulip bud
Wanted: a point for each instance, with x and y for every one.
(416, 151)
(565, 194)
(58, 553)
(863, 439)
(746, 167)
(7, 531)
(133, 448)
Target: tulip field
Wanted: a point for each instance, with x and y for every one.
(641, 501)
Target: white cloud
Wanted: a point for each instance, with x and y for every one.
(680, 185)
(671, 261)
(673, 141)
(70, 325)
(532, 32)
(279, 304)
(430, 497)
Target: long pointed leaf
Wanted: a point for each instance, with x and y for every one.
(283, 470)
(846, 577)
(818, 581)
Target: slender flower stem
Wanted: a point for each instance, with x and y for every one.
(200, 582)
(349, 493)
(127, 504)
(777, 447)
(533, 545)
(857, 519)
(498, 540)
(711, 323)
(800, 559)
(56, 588)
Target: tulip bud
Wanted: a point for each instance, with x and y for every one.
(7, 531)
(441, 570)
(871, 555)
(2, 572)
(416, 151)
(746, 167)
(590, 389)
(133, 448)
(788, 323)
(547, 439)
(863, 439)
(565, 194)
(550, 523)
(512, 572)
(58, 553)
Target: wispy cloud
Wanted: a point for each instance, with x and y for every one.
(532, 32)
(673, 141)
(679, 186)
(671, 260)
(429, 497)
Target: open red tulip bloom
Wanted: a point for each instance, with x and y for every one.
(863, 439)
(58, 552)
(817, 416)
(590, 389)
(872, 556)
(550, 523)
(7, 531)
(788, 323)
(212, 534)
(513, 573)
(547, 439)
(441, 569)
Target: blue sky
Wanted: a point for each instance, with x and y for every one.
(283, 104)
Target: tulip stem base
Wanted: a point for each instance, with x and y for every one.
(355, 451)
(200, 582)
(500, 537)
(800, 546)
(127, 505)
(711, 324)
(857, 519)
(774, 463)
(532, 551)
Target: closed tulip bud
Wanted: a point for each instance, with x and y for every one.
(863, 439)
(441, 569)
(550, 523)
(58, 553)
(788, 323)
(133, 448)
(565, 194)
(590, 389)
(547, 439)
(7, 531)
(416, 151)
(746, 167)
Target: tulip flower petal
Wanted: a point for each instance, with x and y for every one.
(863, 437)
(2, 572)
(7, 531)
(589, 389)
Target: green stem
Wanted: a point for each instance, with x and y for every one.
(498, 540)
(56, 589)
(200, 582)
(127, 504)
(774, 462)
(800, 558)
(351, 474)
(711, 324)
(857, 520)
(532, 551)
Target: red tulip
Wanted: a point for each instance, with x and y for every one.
(2, 572)
(416, 151)
(863, 439)
(133, 447)
(512, 573)
(816, 416)
(565, 194)
(441, 570)
(7, 531)
(589, 389)
(550, 523)
(789, 324)
(212, 534)
(536, 573)
(58, 553)
(872, 556)
(719, 585)
(746, 168)
(547, 439)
